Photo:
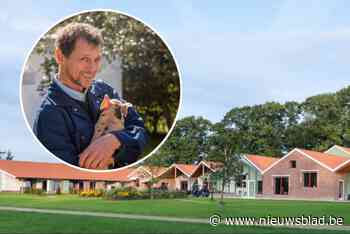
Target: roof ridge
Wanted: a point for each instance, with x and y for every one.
(265, 156)
(326, 154)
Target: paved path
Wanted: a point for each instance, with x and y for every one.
(148, 217)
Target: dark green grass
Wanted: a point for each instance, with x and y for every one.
(19, 222)
(195, 208)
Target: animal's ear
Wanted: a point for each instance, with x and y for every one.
(106, 103)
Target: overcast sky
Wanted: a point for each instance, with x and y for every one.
(230, 54)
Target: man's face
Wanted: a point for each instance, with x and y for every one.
(81, 66)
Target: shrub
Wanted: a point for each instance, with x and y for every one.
(92, 193)
(99, 193)
(73, 191)
(29, 190)
(132, 193)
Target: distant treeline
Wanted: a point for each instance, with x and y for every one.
(267, 129)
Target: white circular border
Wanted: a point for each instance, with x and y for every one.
(159, 145)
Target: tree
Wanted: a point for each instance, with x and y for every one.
(320, 125)
(188, 141)
(8, 155)
(260, 127)
(154, 166)
(343, 98)
(224, 148)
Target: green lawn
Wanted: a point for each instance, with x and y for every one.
(17, 222)
(196, 208)
(191, 208)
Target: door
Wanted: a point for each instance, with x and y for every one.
(81, 186)
(251, 188)
(45, 186)
(281, 185)
(341, 190)
(184, 186)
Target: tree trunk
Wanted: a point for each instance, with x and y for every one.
(151, 189)
(222, 191)
(223, 179)
(155, 124)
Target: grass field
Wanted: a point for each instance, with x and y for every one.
(195, 208)
(191, 208)
(17, 222)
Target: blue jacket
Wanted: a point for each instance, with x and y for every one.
(65, 126)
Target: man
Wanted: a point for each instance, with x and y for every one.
(66, 119)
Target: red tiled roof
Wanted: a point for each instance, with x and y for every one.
(43, 170)
(344, 148)
(213, 164)
(329, 160)
(261, 162)
(157, 171)
(186, 168)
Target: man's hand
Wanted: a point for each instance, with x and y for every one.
(99, 154)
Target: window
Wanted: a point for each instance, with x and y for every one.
(281, 185)
(184, 185)
(92, 185)
(293, 164)
(310, 179)
(260, 187)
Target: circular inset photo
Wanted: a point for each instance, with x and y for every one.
(100, 90)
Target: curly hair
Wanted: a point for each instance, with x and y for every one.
(68, 35)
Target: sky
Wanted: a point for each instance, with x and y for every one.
(231, 54)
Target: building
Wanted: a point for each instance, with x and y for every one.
(181, 177)
(50, 177)
(16, 176)
(300, 174)
(306, 174)
(339, 150)
(252, 178)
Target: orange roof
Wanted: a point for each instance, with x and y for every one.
(329, 160)
(213, 164)
(261, 162)
(149, 170)
(344, 148)
(186, 168)
(43, 170)
(155, 169)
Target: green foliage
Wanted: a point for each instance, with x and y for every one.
(187, 142)
(7, 155)
(260, 128)
(270, 129)
(92, 193)
(29, 190)
(224, 148)
(130, 193)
